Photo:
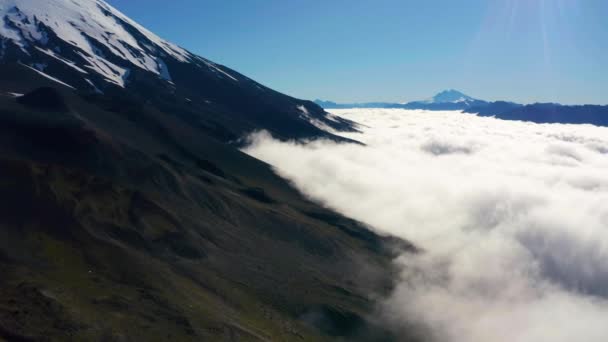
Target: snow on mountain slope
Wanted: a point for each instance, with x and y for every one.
(85, 25)
(90, 46)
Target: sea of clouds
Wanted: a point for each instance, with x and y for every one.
(511, 218)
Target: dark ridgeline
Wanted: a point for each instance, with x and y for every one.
(130, 214)
(546, 113)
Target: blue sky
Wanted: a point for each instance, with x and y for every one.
(398, 50)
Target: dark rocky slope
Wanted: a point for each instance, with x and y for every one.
(127, 212)
(120, 221)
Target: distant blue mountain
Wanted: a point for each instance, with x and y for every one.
(452, 96)
(456, 100)
(445, 100)
(334, 105)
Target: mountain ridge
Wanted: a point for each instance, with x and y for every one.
(93, 48)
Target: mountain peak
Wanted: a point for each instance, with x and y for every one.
(100, 39)
(451, 96)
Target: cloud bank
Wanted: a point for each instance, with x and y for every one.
(512, 218)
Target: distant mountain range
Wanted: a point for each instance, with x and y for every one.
(446, 100)
(456, 100)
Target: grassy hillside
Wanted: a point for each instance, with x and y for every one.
(124, 223)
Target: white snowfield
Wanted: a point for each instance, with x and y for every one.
(87, 25)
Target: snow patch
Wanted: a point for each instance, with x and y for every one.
(164, 70)
(111, 72)
(305, 114)
(48, 76)
(95, 88)
(214, 68)
(63, 60)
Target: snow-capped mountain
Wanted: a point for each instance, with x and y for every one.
(451, 96)
(445, 100)
(88, 36)
(91, 47)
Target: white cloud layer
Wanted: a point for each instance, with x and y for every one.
(512, 218)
